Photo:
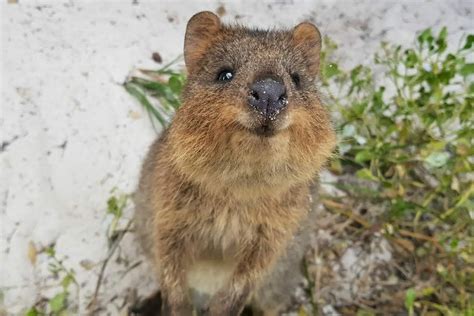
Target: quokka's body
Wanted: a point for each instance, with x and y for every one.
(223, 206)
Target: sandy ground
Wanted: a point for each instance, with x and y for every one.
(69, 132)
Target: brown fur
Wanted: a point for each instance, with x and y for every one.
(212, 189)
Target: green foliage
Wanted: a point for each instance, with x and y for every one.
(115, 207)
(118, 226)
(409, 131)
(410, 300)
(422, 130)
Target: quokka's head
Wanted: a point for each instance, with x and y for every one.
(263, 82)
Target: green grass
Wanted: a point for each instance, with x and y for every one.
(409, 133)
(164, 85)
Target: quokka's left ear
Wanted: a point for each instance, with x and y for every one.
(307, 38)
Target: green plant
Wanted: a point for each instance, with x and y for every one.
(410, 134)
(58, 305)
(164, 85)
(116, 205)
(410, 301)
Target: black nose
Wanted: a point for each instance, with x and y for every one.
(268, 97)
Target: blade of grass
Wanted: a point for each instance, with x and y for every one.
(141, 97)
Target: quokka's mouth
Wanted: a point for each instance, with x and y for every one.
(266, 129)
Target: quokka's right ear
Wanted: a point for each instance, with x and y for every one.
(200, 31)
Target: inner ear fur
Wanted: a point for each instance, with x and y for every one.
(307, 38)
(200, 31)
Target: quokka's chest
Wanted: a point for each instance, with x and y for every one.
(220, 237)
(226, 228)
(224, 231)
(205, 277)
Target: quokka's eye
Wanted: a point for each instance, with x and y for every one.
(296, 79)
(225, 75)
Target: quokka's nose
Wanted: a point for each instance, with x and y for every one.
(268, 97)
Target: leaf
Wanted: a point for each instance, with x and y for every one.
(58, 302)
(410, 297)
(400, 207)
(67, 280)
(140, 96)
(454, 243)
(428, 291)
(443, 33)
(112, 207)
(363, 156)
(53, 267)
(302, 312)
(331, 70)
(366, 174)
(32, 312)
(425, 37)
(50, 251)
(362, 312)
(441, 40)
(411, 59)
(465, 196)
(348, 131)
(335, 166)
(436, 145)
(467, 70)
(455, 186)
(360, 139)
(437, 159)
(175, 84)
(469, 41)
(344, 148)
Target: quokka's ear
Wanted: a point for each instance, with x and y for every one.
(200, 31)
(307, 38)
